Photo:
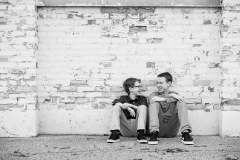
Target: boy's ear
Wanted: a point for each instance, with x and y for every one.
(130, 89)
(169, 84)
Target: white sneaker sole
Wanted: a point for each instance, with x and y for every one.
(141, 141)
(153, 143)
(188, 143)
(112, 141)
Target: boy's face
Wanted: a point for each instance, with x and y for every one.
(163, 85)
(136, 89)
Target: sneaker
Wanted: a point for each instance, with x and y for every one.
(114, 137)
(187, 138)
(153, 139)
(141, 138)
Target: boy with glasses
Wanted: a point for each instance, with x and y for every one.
(129, 113)
(168, 113)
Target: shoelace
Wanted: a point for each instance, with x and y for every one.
(154, 135)
(187, 136)
(114, 134)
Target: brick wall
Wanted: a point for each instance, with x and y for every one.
(75, 58)
(86, 53)
(18, 44)
(230, 37)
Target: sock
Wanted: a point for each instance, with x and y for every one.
(186, 130)
(140, 130)
(115, 131)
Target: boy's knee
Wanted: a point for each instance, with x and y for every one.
(142, 107)
(116, 107)
(181, 104)
(154, 104)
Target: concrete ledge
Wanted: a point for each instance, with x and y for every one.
(18, 123)
(197, 3)
(229, 124)
(204, 123)
(97, 122)
(74, 122)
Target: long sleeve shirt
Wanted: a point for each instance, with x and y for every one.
(140, 100)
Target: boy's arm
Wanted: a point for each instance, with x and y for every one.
(177, 97)
(155, 97)
(120, 102)
(170, 99)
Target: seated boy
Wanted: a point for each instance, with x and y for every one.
(129, 113)
(168, 113)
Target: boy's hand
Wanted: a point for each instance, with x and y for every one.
(131, 111)
(126, 105)
(157, 99)
(176, 96)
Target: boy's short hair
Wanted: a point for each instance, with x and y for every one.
(130, 83)
(167, 75)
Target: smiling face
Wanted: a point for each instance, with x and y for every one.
(163, 85)
(136, 89)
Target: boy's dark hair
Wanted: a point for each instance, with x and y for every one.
(130, 83)
(167, 75)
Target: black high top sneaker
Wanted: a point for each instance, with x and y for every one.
(140, 137)
(187, 138)
(153, 139)
(114, 137)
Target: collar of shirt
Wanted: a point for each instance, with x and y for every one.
(131, 101)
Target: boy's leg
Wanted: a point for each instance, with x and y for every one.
(178, 119)
(153, 117)
(154, 109)
(183, 117)
(171, 127)
(141, 118)
(121, 123)
(130, 127)
(185, 126)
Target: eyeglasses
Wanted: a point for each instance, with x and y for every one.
(138, 86)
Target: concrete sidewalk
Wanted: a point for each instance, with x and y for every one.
(79, 147)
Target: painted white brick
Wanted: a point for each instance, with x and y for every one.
(93, 94)
(95, 83)
(227, 14)
(229, 95)
(25, 39)
(211, 100)
(85, 88)
(3, 89)
(26, 101)
(100, 76)
(230, 89)
(29, 83)
(8, 101)
(31, 7)
(211, 76)
(8, 27)
(3, 7)
(192, 89)
(7, 65)
(3, 83)
(12, 82)
(114, 83)
(230, 65)
(31, 107)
